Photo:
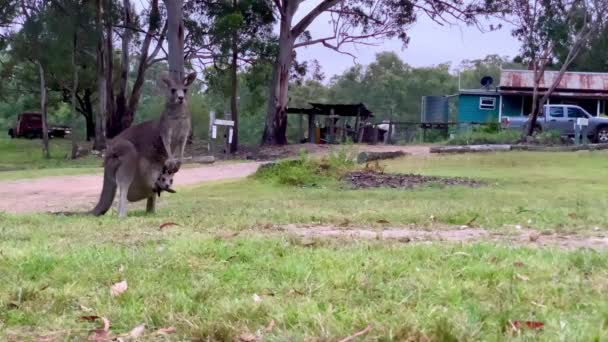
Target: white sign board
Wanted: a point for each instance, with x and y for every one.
(582, 122)
(214, 132)
(221, 122)
(230, 136)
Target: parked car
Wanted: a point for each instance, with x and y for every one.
(29, 125)
(562, 118)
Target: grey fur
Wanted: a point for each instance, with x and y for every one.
(136, 158)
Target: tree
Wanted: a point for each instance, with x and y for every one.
(122, 105)
(546, 26)
(238, 33)
(353, 21)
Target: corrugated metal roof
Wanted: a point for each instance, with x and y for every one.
(575, 81)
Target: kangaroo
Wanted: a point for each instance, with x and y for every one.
(138, 158)
(164, 182)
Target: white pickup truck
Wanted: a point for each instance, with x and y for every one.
(562, 118)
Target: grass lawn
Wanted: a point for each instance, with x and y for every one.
(22, 158)
(201, 277)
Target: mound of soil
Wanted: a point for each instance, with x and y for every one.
(365, 180)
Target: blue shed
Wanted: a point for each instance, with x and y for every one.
(479, 106)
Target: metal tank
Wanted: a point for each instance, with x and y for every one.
(435, 109)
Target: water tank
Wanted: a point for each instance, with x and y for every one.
(435, 109)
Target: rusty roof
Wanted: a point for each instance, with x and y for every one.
(572, 81)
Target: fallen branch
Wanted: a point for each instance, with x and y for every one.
(365, 157)
(357, 334)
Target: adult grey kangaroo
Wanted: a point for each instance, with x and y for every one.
(136, 157)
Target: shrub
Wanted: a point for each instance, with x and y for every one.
(306, 171)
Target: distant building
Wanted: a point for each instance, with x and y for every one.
(513, 96)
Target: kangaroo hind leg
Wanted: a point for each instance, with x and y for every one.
(124, 177)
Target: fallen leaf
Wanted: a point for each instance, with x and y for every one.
(248, 337)
(572, 215)
(85, 309)
(521, 277)
(137, 331)
(99, 335)
(166, 331)
(12, 305)
(167, 224)
(89, 318)
(518, 264)
(269, 327)
(119, 288)
(405, 239)
(121, 268)
(256, 298)
(471, 221)
(516, 325)
(383, 221)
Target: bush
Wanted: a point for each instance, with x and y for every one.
(549, 138)
(308, 172)
(486, 136)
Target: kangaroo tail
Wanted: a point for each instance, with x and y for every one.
(108, 191)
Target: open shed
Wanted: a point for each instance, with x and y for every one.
(338, 123)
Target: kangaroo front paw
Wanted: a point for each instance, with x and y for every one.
(172, 165)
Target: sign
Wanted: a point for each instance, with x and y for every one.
(214, 132)
(221, 122)
(230, 136)
(582, 122)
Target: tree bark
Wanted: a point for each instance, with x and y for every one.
(175, 39)
(234, 107)
(275, 131)
(111, 130)
(75, 115)
(100, 117)
(122, 117)
(43, 111)
(87, 112)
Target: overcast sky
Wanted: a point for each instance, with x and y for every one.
(430, 44)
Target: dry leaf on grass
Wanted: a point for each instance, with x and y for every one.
(256, 298)
(167, 224)
(121, 268)
(517, 325)
(119, 288)
(521, 277)
(89, 318)
(137, 331)
(382, 221)
(102, 334)
(518, 264)
(248, 337)
(166, 331)
(357, 334)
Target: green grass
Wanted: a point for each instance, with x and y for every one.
(24, 154)
(200, 280)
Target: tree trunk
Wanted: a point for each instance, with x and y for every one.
(100, 117)
(75, 115)
(275, 131)
(112, 128)
(142, 66)
(43, 110)
(175, 39)
(234, 107)
(88, 114)
(122, 117)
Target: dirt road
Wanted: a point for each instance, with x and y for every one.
(80, 192)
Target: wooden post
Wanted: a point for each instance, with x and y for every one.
(390, 132)
(300, 129)
(330, 138)
(311, 128)
(357, 125)
(210, 136)
(227, 133)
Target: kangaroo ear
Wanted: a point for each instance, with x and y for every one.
(189, 79)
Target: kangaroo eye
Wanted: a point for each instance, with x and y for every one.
(173, 90)
(185, 90)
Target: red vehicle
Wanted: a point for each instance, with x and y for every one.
(29, 125)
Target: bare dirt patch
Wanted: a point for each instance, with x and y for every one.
(366, 179)
(413, 234)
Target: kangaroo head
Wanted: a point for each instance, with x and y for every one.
(177, 91)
